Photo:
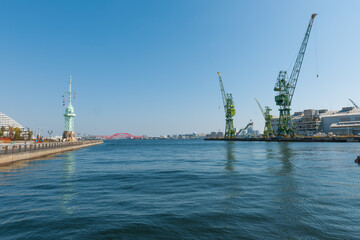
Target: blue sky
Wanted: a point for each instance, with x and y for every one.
(149, 67)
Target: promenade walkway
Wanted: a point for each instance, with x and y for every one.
(15, 152)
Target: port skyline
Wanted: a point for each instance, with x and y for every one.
(59, 47)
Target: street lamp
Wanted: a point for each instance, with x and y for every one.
(50, 132)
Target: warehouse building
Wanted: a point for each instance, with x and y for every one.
(311, 122)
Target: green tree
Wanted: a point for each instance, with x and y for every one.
(2, 131)
(17, 135)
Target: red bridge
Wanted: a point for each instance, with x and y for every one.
(121, 135)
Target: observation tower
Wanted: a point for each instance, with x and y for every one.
(69, 133)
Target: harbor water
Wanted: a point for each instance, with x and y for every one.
(185, 189)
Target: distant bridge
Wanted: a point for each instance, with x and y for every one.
(120, 135)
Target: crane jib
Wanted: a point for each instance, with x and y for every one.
(297, 67)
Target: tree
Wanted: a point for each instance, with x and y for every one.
(11, 132)
(17, 135)
(2, 131)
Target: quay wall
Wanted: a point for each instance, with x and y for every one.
(294, 139)
(11, 154)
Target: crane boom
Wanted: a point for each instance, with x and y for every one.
(223, 94)
(297, 67)
(356, 106)
(246, 127)
(261, 109)
(268, 131)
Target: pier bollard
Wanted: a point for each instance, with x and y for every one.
(19, 149)
(25, 148)
(357, 160)
(13, 149)
(6, 149)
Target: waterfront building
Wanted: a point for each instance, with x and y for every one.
(215, 135)
(311, 122)
(69, 133)
(6, 121)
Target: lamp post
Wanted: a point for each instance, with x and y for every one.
(50, 132)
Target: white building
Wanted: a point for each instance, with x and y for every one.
(310, 122)
(6, 121)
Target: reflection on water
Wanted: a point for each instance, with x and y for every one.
(230, 158)
(286, 156)
(154, 189)
(25, 165)
(15, 166)
(68, 190)
(288, 200)
(232, 187)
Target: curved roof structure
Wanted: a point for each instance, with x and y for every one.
(6, 121)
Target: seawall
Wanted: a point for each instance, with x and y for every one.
(294, 139)
(31, 151)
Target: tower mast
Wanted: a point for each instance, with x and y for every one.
(69, 133)
(70, 91)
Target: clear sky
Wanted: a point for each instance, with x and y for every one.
(149, 67)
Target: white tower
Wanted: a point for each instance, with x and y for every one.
(69, 133)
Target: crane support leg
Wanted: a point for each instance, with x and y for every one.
(286, 127)
(229, 128)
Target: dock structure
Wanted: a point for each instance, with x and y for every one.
(13, 153)
(293, 139)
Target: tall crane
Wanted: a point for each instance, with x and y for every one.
(229, 109)
(285, 88)
(355, 105)
(268, 131)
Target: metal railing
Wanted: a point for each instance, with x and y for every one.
(32, 147)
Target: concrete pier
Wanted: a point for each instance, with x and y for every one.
(294, 139)
(14, 153)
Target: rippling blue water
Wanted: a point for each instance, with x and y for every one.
(185, 189)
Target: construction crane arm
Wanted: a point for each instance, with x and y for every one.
(356, 106)
(297, 67)
(223, 94)
(247, 126)
(261, 109)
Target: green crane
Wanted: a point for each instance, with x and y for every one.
(268, 131)
(285, 88)
(229, 111)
